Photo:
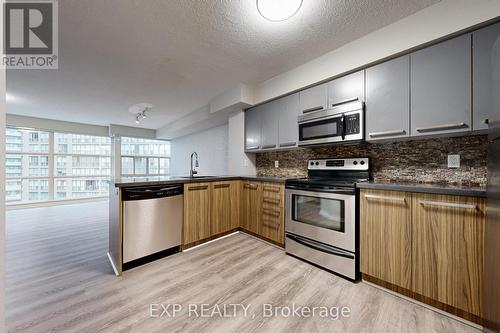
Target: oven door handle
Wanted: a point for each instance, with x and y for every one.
(319, 247)
(338, 190)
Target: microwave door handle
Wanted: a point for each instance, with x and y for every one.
(342, 127)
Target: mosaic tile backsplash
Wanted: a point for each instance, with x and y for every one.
(423, 161)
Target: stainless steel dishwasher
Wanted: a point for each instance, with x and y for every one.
(152, 223)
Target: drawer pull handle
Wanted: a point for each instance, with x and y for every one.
(314, 108)
(448, 204)
(221, 186)
(442, 127)
(345, 101)
(198, 188)
(268, 146)
(271, 212)
(251, 186)
(271, 225)
(271, 189)
(387, 133)
(272, 201)
(381, 197)
(288, 144)
(253, 147)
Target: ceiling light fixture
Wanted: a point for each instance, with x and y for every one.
(278, 10)
(139, 110)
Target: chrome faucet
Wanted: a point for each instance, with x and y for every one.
(193, 172)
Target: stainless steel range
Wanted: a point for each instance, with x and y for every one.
(322, 214)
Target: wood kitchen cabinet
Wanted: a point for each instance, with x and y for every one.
(386, 236)
(251, 205)
(225, 206)
(272, 218)
(197, 207)
(448, 234)
(426, 246)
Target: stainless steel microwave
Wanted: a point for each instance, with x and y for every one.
(342, 123)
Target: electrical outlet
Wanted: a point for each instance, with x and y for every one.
(276, 164)
(453, 161)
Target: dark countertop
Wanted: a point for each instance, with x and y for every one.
(470, 191)
(146, 181)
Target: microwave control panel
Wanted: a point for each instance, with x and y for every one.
(352, 124)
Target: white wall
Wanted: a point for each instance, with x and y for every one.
(239, 163)
(211, 146)
(431, 23)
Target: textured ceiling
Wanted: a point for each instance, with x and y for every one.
(178, 54)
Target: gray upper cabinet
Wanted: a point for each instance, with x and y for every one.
(270, 113)
(388, 100)
(441, 88)
(347, 88)
(314, 98)
(484, 41)
(253, 129)
(288, 129)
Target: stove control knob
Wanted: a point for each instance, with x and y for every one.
(355, 162)
(317, 163)
(362, 162)
(312, 163)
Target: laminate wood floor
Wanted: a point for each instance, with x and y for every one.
(59, 280)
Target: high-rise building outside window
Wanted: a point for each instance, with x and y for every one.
(45, 166)
(144, 157)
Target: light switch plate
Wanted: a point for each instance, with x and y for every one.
(276, 164)
(453, 161)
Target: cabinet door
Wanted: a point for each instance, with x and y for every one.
(347, 88)
(196, 212)
(251, 205)
(441, 88)
(270, 113)
(388, 100)
(314, 98)
(225, 207)
(253, 129)
(272, 219)
(385, 231)
(448, 234)
(288, 129)
(485, 43)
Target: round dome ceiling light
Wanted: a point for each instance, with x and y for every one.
(278, 10)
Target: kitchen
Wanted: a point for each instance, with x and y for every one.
(358, 189)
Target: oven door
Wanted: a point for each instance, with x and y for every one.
(322, 130)
(329, 218)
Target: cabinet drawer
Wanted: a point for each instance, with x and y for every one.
(273, 194)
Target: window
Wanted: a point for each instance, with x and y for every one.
(72, 159)
(144, 157)
(82, 165)
(26, 165)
